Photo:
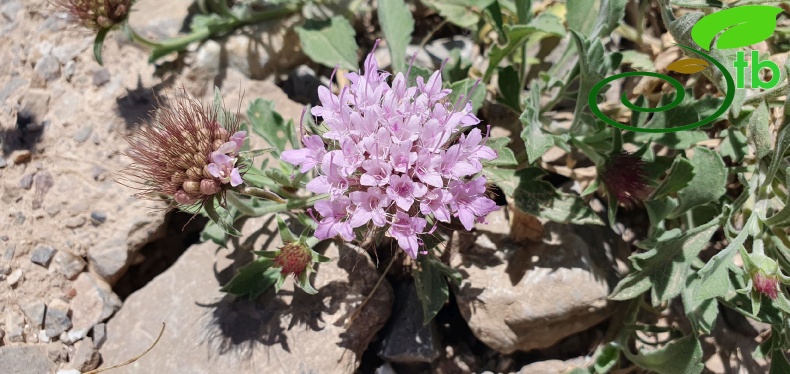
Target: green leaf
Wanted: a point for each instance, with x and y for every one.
(779, 364)
(211, 211)
(505, 179)
(759, 132)
(606, 357)
(708, 185)
(397, 24)
(330, 42)
(678, 177)
(539, 198)
(701, 313)
(639, 61)
(215, 233)
(683, 356)
(98, 43)
(734, 144)
(285, 233)
(523, 11)
(505, 155)
(517, 35)
(739, 27)
(253, 279)
(593, 67)
(465, 87)
(536, 141)
(715, 281)
(269, 124)
(432, 288)
(463, 13)
(510, 88)
(665, 267)
(607, 16)
(416, 71)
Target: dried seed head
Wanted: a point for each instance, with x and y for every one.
(96, 14)
(294, 258)
(176, 154)
(624, 177)
(766, 285)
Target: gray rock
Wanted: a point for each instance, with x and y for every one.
(30, 359)
(286, 331)
(98, 217)
(11, 87)
(109, 257)
(42, 255)
(43, 182)
(68, 264)
(74, 222)
(94, 303)
(97, 172)
(101, 76)
(99, 334)
(57, 319)
(26, 182)
(407, 339)
(83, 134)
(3, 162)
(35, 107)
(57, 352)
(35, 313)
(69, 70)
(70, 49)
(86, 356)
(530, 296)
(20, 218)
(5, 269)
(47, 70)
(14, 325)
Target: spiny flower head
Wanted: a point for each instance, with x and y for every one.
(766, 285)
(293, 258)
(396, 155)
(96, 14)
(624, 177)
(185, 153)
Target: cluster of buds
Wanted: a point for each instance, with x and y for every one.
(397, 155)
(96, 14)
(185, 153)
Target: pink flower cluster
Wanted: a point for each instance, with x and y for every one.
(223, 160)
(397, 156)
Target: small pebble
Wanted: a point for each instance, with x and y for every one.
(99, 334)
(3, 163)
(68, 264)
(69, 70)
(43, 182)
(35, 313)
(27, 181)
(4, 238)
(75, 222)
(98, 217)
(42, 255)
(101, 77)
(98, 173)
(20, 218)
(42, 336)
(57, 320)
(16, 334)
(83, 134)
(9, 252)
(5, 269)
(15, 277)
(52, 210)
(21, 156)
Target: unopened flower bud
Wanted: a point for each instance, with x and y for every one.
(766, 285)
(624, 177)
(293, 258)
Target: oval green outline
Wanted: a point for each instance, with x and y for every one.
(728, 99)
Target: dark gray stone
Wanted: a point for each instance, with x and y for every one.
(9, 252)
(83, 134)
(35, 313)
(30, 359)
(56, 321)
(99, 334)
(68, 264)
(20, 218)
(98, 217)
(42, 255)
(43, 182)
(407, 339)
(3, 162)
(26, 181)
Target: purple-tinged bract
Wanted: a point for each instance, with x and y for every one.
(394, 155)
(624, 178)
(96, 14)
(185, 153)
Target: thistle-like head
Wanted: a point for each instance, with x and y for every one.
(624, 177)
(96, 14)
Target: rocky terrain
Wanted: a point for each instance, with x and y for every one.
(72, 238)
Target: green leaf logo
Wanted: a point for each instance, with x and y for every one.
(741, 26)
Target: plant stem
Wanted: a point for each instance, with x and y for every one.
(260, 193)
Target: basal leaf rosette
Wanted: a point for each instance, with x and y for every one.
(394, 158)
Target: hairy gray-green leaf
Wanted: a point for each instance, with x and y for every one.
(536, 141)
(503, 178)
(517, 35)
(734, 144)
(593, 18)
(759, 133)
(683, 356)
(505, 155)
(253, 279)
(665, 267)
(708, 184)
(510, 88)
(715, 281)
(539, 198)
(701, 313)
(678, 177)
(397, 24)
(432, 289)
(593, 67)
(463, 13)
(330, 42)
(269, 124)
